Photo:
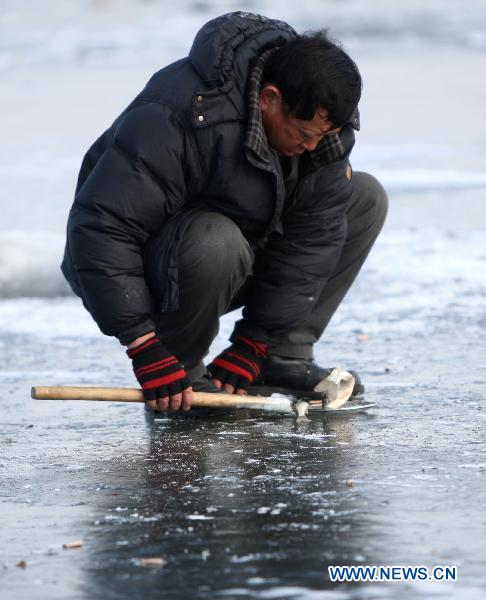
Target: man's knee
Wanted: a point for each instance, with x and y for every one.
(214, 245)
(370, 199)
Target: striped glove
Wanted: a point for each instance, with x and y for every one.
(159, 373)
(240, 364)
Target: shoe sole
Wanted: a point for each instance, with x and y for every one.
(268, 390)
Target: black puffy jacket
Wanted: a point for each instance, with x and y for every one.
(180, 144)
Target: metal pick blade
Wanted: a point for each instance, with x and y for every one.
(336, 389)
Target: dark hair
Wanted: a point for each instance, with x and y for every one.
(314, 72)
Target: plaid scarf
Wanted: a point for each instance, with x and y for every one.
(256, 139)
(329, 149)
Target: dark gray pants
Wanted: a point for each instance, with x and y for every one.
(215, 260)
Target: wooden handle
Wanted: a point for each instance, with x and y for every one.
(64, 392)
(136, 395)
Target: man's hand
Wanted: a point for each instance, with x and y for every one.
(238, 366)
(161, 376)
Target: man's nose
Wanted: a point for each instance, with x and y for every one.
(310, 145)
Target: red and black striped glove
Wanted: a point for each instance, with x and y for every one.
(158, 372)
(240, 364)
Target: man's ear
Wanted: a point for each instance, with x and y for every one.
(270, 97)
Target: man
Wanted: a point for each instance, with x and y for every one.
(226, 183)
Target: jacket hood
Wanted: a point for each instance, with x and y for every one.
(224, 47)
(222, 54)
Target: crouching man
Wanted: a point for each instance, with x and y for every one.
(226, 183)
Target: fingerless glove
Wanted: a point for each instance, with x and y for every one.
(240, 364)
(158, 372)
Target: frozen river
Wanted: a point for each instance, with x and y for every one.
(256, 506)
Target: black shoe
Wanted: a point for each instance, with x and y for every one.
(296, 377)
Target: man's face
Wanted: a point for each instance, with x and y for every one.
(286, 134)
